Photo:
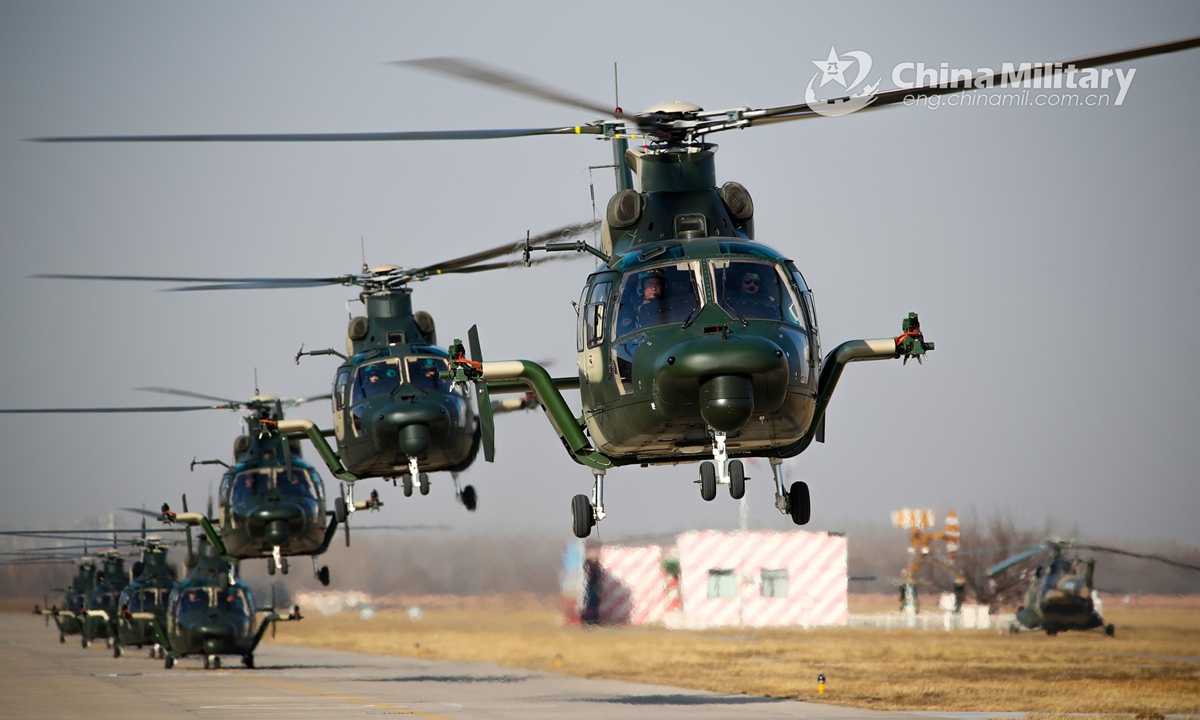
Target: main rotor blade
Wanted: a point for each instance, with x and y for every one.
(187, 393)
(73, 411)
(293, 402)
(332, 137)
(1006, 564)
(803, 111)
(506, 249)
(68, 533)
(505, 80)
(167, 278)
(1140, 555)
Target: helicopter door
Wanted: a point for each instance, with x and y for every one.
(594, 319)
(339, 404)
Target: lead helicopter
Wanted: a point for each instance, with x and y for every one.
(1061, 591)
(395, 413)
(271, 503)
(695, 342)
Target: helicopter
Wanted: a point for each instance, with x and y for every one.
(1061, 592)
(271, 503)
(210, 613)
(694, 341)
(395, 413)
(148, 592)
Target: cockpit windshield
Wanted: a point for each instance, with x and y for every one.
(193, 600)
(297, 483)
(233, 600)
(754, 290)
(251, 483)
(375, 379)
(426, 373)
(656, 296)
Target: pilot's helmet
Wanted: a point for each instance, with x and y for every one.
(654, 276)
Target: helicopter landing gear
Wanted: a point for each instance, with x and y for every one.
(413, 471)
(1110, 630)
(118, 651)
(406, 483)
(708, 481)
(276, 561)
(796, 501)
(466, 495)
(155, 649)
(283, 566)
(585, 511)
(737, 479)
(62, 638)
(83, 643)
(248, 662)
(169, 661)
(321, 573)
(423, 481)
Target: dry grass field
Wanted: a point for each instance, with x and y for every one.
(1151, 667)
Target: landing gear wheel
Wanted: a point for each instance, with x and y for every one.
(424, 484)
(469, 499)
(708, 480)
(62, 638)
(108, 643)
(737, 480)
(248, 661)
(582, 516)
(216, 662)
(270, 566)
(323, 576)
(153, 653)
(339, 509)
(83, 643)
(799, 503)
(1110, 630)
(283, 565)
(208, 662)
(169, 662)
(406, 482)
(162, 653)
(117, 651)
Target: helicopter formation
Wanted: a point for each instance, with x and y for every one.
(695, 341)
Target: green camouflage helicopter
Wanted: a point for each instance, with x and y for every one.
(1061, 592)
(149, 591)
(694, 341)
(272, 503)
(395, 413)
(210, 613)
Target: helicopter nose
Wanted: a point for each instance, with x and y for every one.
(277, 532)
(729, 378)
(413, 426)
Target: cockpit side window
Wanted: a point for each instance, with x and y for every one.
(375, 379)
(425, 373)
(339, 389)
(596, 312)
(755, 290)
(661, 295)
(233, 600)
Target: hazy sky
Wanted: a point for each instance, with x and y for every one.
(1051, 252)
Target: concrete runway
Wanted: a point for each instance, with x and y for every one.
(40, 678)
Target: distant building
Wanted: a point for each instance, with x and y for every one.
(710, 579)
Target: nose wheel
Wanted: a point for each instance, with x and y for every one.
(722, 471)
(585, 511)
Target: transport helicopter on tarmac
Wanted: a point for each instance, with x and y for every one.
(272, 502)
(1061, 592)
(211, 613)
(695, 342)
(395, 413)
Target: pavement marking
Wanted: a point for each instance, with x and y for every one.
(338, 696)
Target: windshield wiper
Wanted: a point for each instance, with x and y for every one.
(691, 316)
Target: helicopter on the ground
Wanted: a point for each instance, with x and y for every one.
(694, 341)
(149, 591)
(271, 503)
(395, 413)
(1061, 591)
(210, 613)
(98, 615)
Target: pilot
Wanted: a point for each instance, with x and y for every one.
(652, 303)
(751, 299)
(379, 379)
(426, 375)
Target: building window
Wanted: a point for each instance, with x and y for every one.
(774, 583)
(721, 584)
